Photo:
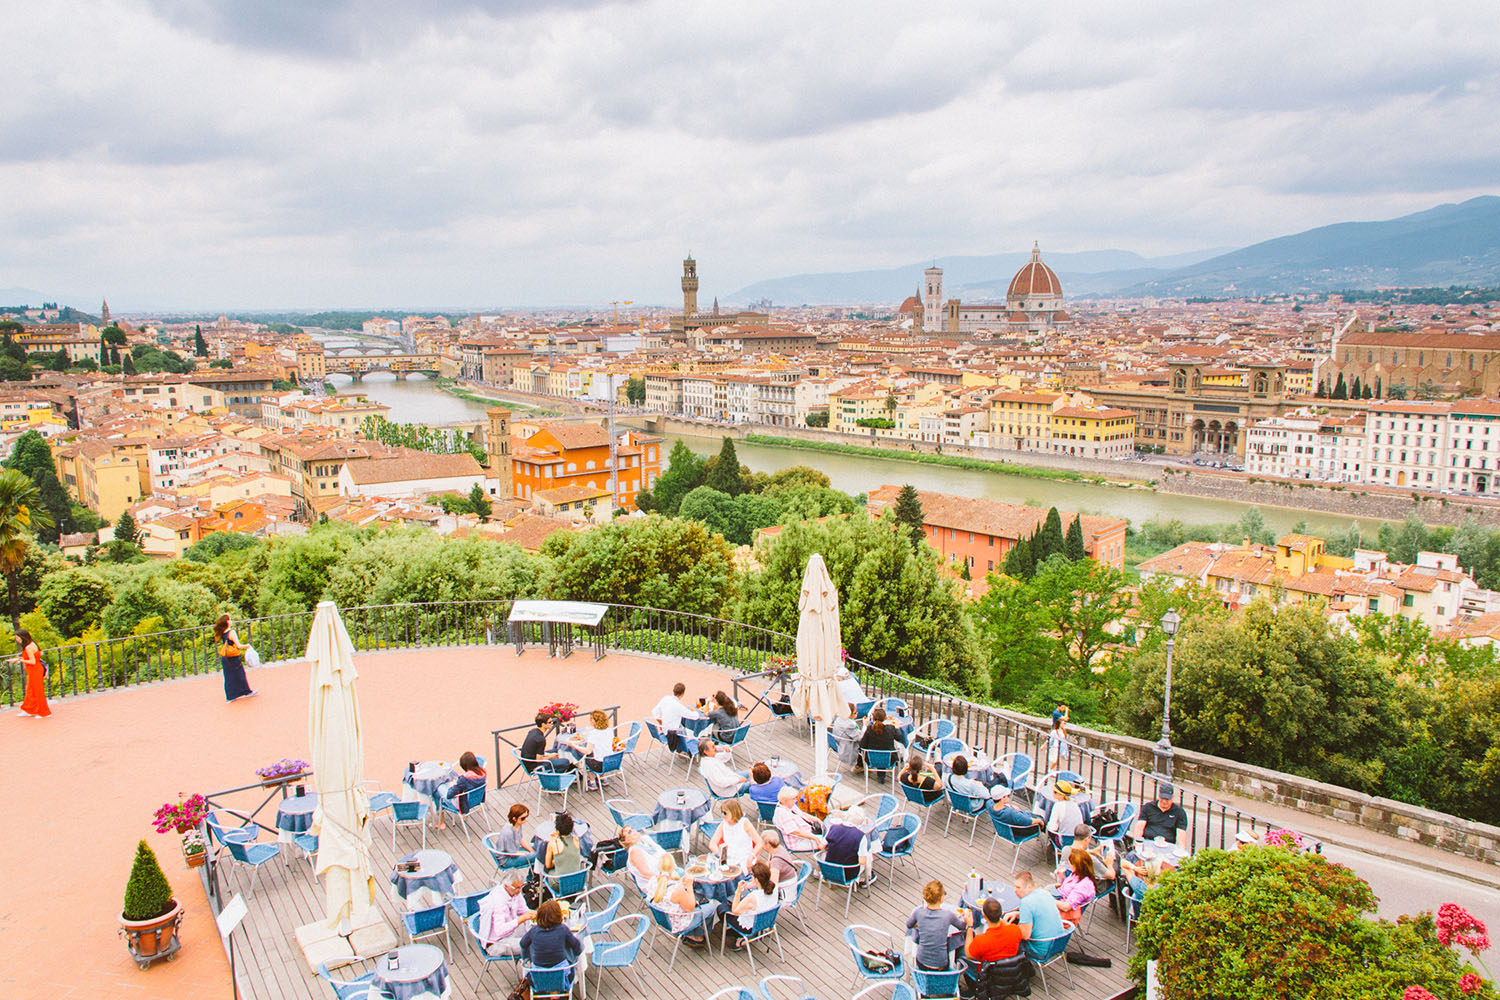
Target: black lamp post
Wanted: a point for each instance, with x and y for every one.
(1169, 623)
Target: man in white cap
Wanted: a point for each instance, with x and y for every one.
(849, 689)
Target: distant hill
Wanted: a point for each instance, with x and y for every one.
(1447, 245)
(972, 277)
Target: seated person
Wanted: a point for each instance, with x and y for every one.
(1038, 916)
(534, 755)
(512, 838)
(595, 743)
(1141, 877)
(643, 857)
(469, 777)
(845, 733)
(564, 853)
(1008, 814)
(930, 926)
(1163, 818)
(673, 895)
(503, 917)
(669, 713)
(737, 840)
(550, 942)
(764, 786)
(1076, 889)
(880, 735)
(784, 867)
(1066, 815)
(1000, 939)
(849, 688)
(800, 830)
(716, 771)
(849, 846)
(920, 776)
(958, 779)
(723, 717)
(756, 895)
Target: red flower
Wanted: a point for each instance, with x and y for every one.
(1417, 993)
(1470, 983)
(1456, 925)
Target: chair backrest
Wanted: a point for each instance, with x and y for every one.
(618, 942)
(467, 906)
(1126, 811)
(767, 811)
(771, 988)
(1044, 950)
(889, 989)
(894, 705)
(917, 796)
(473, 797)
(882, 805)
(738, 735)
(568, 884)
(804, 872)
(668, 837)
(968, 804)
(603, 902)
(552, 981)
(1018, 769)
(936, 984)
(382, 800)
(882, 760)
(408, 812)
(556, 781)
(908, 824)
(429, 918)
(654, 731)
(620, 808)
(632, 736)
(764, 921)
(1013, 834)
(836, 873)
(237, 851)
(945, 745)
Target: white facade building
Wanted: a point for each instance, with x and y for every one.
(1305, 445)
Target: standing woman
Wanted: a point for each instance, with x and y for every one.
(231, 661)
(34, 705)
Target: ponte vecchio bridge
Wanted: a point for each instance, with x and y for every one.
(357, 366)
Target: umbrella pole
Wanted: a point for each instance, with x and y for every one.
(820, 749)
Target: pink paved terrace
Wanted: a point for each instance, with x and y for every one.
(81, 787)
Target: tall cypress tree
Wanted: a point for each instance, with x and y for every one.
(725, 475)
(1340, 391)
(1073, 546)
(1049, 536)
(200, 346)
(909, 512)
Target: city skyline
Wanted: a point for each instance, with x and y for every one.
(253, 156)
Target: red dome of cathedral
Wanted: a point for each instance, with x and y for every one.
(1034, 279)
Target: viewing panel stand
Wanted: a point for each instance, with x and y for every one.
(552, 623)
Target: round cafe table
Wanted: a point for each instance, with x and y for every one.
(427, 778)
(294, 816)
(718, 885)
(420, 969)
(990, 888)
(689, 811)
(435, 876)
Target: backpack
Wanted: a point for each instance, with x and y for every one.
(879, 963)
(893, 836)
(535, 891)
(1103, 819)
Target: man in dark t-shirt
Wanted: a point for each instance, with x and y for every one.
(534, 755)
(1163, 818)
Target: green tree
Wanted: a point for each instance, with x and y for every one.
(635, 390)
(684, 474)
(1340, 390)
(216, 543)
(32, 456)
(1252, 525)
(808, 503)
(113, 335)
(126, 530)
(12, 370)
(656, 562)
(1019, 561)
(21, 515)
(1049, 538)
(1084, 601)
(1013, 639)
(10, 349)
(1225, 924)
(479, 502)
(128, 365)
(1322, 392)
(148, 894)
(1073, 544)
(724, 474)
(1271, 688)
(297, 568)
(817, 418)
(897, 608)
(909, 515)
(200, 346)
(74, 599)
(793, 477)
(59, 361)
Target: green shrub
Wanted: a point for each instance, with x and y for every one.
(148, 895)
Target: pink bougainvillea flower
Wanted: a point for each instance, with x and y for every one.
(1456, 925)
(1470, 983)
(1417, 993)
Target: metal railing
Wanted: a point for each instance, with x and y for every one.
(504, 744)
(747, 649)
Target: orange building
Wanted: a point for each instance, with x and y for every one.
(560, 454)
(981, 531)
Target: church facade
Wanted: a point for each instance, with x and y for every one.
(1033, 304)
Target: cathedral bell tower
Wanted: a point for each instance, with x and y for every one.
(689, 287)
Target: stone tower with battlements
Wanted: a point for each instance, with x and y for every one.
(497, 446)
(690, 287)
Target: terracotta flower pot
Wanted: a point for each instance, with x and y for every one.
(149, 940)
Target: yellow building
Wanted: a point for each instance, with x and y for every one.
(105, 478)
(862, 402)
(1093, 432)
(1023, 420)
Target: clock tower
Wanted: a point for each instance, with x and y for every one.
(689, 287)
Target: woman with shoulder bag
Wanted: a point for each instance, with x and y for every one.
(231, 661)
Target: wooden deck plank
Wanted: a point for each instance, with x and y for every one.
(270, 964)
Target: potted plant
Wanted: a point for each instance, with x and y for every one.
(185, 816)
(150, 916)
(282, 771)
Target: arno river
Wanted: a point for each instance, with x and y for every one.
(420, 401)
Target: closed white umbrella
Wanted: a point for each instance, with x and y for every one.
(819, 648)
(333, 733)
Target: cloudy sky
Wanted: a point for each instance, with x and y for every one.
(216, 154)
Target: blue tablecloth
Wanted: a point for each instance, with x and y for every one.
(437, 873)
(294, 815)
(420, 969)
(721, 889)
(428, 777)
(694, 808)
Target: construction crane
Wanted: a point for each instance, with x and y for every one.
(617, 303)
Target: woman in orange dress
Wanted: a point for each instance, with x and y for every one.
(35, 704)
